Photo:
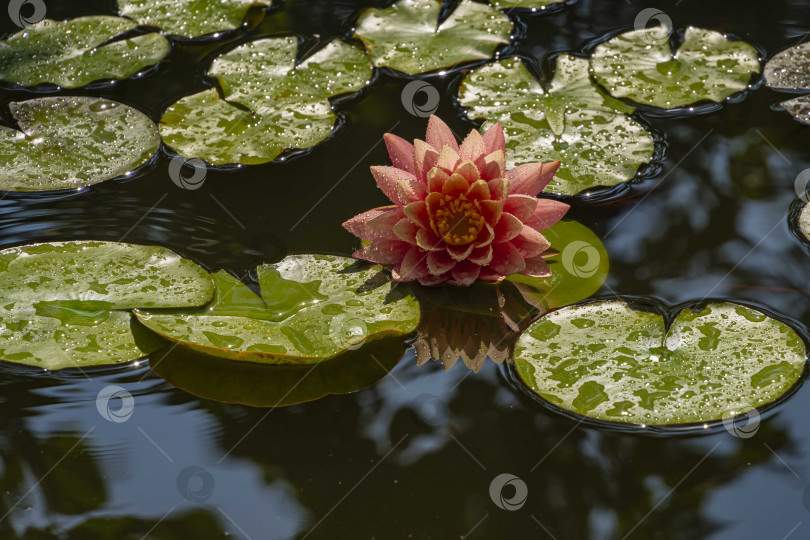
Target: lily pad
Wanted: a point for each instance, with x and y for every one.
(316, 307)
(72, 142)
(529, 4)
(407, 36)
(189, 18)
(609, 361)
(572, 121)
(268, 104)
(790, 70)
(260, 385)
(707, 66)
(74, 53)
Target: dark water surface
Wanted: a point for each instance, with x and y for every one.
(414, 457)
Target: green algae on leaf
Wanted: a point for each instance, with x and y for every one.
(790, 70)
(268, 104)
(572, 120)
(74, 53)
(189, 18)
(608, 361)
(639, 65)
(407, 36)
(316, 307)
(72, 142)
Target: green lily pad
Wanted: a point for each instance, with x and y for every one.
(639, 65)
(790, 70)
(578, 272)
(608, 361)
(529, 4)
(798, 107)
(189, 18)
(572, 121)
(72, 142)
(269, 103)
(74, 53)
(408, 37)
(316, 307)
(260, 385)
(102, 275)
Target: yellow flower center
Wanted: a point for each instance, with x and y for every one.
(457, 220)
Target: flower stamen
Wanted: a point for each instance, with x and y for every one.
(457, 220)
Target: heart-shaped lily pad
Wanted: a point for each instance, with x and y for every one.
(315, 308)
(572, 121)
(640, 65)
(270, 104)
(609, 361)
(261, 385)
(189, 18)
(60, 300)
(790, 70)
(74, 53)
(71, 142)
(407, 36)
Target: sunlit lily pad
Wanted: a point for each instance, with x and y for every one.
(71, 142)
(270, 104)
(530, 4)
(571, 121)
(261, 385)
(407, 36)
(640, 65)
(790, 70)
(189, 18)
(316, 307)
(74, 53)
(609, 361)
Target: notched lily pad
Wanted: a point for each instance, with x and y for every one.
(74, 53)
(572, 121)
(269, 103)
(407, 36)
(72, 142)
(189, 18)
(315, 308)
(790, 70)
(640, 65)
(608, 361)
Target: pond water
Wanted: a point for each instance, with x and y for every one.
(416, 455)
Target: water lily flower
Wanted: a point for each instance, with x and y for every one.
(458, 214)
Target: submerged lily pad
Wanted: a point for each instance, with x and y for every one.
(571, 121)
(608, 361)
(189, 18)
(260, 385)
(74, 53)
(72, 142)
(269, 103)
(408, 37)
(790, 70)
(641, 66)
(315, 308)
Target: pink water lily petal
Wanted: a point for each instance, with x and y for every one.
(468, 170)
(482, 255)
(387, 178)
(427, 240)
(536, 267)
(411, 191)
(401, 152)
(520, 206)
(417, 213)
(439, 134)
(383, 224)
(424, 158)
(494, 166)
(494, 139)
(413, 265)
(499, 187)
(448, 159)
(479, 191)
(485, 237)
(547, 213)
(430, 280)
(456, 185)
(440, 262)
(465, 273)
(507, 228)
(531, 178)
(406, 230)
(383, 251)
(473, 147)
(436, 179)
(358, 225)
(489, 275)
(491, 210)
(506, 259)
(460, 253)
(530, 243)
